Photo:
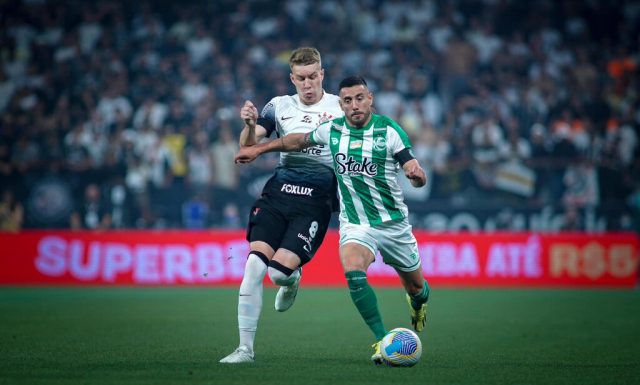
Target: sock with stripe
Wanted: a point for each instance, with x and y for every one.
(366, 302)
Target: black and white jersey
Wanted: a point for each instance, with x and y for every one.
(313, 166)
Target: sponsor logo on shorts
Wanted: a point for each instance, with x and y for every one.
(313, 230)
(304, 238)
(296, 190)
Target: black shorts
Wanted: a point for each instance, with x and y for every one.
(290, 224)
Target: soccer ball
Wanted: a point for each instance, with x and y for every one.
(401, 347)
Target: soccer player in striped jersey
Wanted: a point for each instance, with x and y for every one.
(289, 221)
(368, 150)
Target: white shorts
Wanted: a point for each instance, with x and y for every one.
(394, 239)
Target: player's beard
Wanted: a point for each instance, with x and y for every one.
(358, 118)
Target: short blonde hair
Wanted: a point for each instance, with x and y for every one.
(304, 56)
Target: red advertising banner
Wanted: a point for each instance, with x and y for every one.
(218, 257)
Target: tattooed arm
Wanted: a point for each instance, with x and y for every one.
(288, 143)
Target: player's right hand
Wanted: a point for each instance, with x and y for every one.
(249, 113)
(246, 154)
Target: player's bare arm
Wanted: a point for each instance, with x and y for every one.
(287, 143)
(252, 133)
(415, 173)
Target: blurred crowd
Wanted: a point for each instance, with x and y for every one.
(117, 114)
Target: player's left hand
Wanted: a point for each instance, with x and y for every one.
(415, 174)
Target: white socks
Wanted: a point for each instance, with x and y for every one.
(250, 299)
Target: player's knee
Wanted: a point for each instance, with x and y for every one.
(279, 278)
(280, 274)
(355, 257)
(256, 266)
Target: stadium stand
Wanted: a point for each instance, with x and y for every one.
(526, 113)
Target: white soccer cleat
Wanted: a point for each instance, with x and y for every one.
(287, 294)
(239, 356)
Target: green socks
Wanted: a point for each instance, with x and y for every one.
(366, 302)
(422, 297)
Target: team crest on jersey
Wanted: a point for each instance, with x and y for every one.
(379, 143)
(324, 118)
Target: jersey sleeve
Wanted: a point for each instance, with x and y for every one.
(397, 139)
(267, 118)
(321, 134)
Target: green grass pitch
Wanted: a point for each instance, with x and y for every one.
(177, 335)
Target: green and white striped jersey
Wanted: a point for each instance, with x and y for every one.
(365, 168)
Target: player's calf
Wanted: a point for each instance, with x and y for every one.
(289, 280)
